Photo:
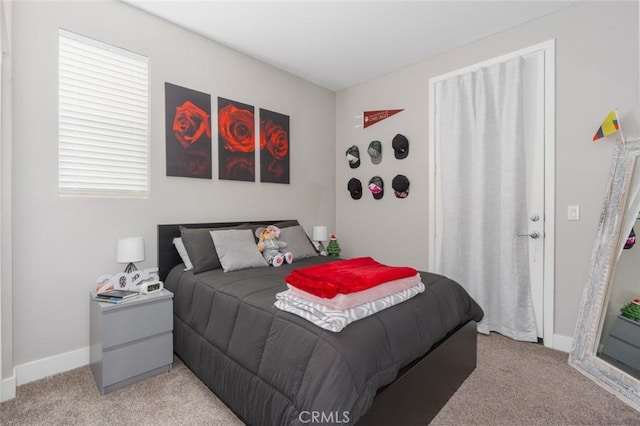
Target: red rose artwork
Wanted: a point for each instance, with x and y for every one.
(236, 141)
(188, 132)
(190, 123)
(274, 147)
(236, 128)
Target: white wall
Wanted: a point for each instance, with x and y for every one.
(62, 244)
(596, 70)
(7, 388)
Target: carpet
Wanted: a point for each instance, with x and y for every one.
(515, 383)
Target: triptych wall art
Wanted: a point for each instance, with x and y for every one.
(188, 138)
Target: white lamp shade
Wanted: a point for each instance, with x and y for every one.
(130, 250)
(319, 233)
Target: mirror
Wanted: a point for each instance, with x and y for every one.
(605, 342)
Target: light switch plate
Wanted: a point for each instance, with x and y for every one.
(573, 212)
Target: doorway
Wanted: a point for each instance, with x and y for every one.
(539, 144)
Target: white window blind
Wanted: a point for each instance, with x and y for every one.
(103, 118)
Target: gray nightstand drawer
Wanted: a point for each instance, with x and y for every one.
(623, 342)
(136, 321)
(626, 330)
(132, 360)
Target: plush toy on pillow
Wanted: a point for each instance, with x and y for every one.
(270, 247)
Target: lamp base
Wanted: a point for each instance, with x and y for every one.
(320, 248)
(130, 268)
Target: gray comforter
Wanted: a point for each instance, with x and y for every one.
(272, 367)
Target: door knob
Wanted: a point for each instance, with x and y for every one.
(534, 235)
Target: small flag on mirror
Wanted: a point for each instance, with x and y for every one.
(609, 126)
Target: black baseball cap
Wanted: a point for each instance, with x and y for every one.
(400, 185)
(400, 146)
(376, 186)
(355, 188)
(353, 156)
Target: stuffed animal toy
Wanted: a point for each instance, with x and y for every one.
(270, 247)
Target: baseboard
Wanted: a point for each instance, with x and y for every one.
(41, 368)
(562, 343)
(8, 390)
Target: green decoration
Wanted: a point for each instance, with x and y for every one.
(631, 311)
(333, 249)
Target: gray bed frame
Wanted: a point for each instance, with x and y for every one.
(420, 390)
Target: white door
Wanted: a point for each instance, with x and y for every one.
(534, 142)
(538, 126)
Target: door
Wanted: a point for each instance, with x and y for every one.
(534, 143)
(537, 97)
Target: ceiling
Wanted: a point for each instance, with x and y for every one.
(339, 44)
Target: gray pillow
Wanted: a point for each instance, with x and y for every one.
(297, 242)
(200, 248)
(237, 249)
(281, 225)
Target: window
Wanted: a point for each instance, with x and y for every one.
(103, 119)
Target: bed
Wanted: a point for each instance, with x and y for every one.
(399, 366)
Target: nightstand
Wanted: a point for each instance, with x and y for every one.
(623, 344)
(131, 340)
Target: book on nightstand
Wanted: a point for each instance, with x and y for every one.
(115, 296)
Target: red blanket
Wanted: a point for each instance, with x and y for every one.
(345, 276)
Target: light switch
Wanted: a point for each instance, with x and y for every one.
(573, 212)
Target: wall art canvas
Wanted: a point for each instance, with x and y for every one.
(274, 147)
(236, 141)
(188, 132)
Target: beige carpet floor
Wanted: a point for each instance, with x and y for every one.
(514, 384)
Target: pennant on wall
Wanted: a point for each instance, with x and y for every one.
(372, 117)
(609, 126)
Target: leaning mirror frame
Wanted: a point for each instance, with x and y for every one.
(595, 297)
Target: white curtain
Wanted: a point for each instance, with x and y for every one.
(483, 194)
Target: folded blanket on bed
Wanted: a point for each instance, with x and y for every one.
(345, 301)
(345, 276)
(335, 320)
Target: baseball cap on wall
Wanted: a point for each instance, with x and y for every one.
(353, 156)
(400, 185)
(375, 152)
(400, 146)
(376, 186)
(355, 188)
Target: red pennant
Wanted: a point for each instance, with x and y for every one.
(372, 117)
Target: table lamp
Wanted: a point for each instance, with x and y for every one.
(130, 250)
(319, 235)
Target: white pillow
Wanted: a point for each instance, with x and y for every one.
(182, 251)
(237, 249)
